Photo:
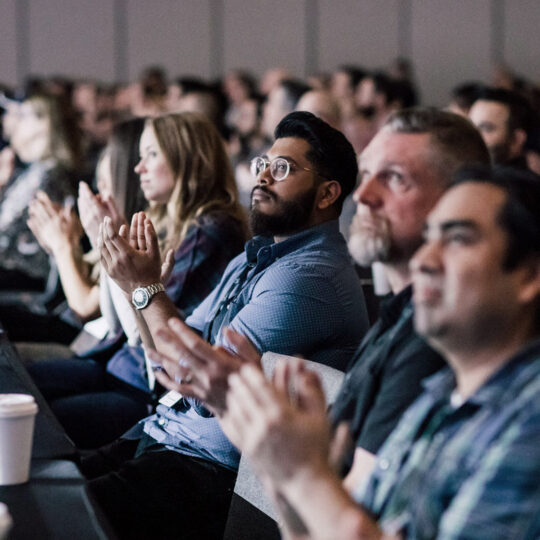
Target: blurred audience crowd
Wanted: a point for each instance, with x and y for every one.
(121, 209)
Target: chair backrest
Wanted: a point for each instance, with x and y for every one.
(248, 486)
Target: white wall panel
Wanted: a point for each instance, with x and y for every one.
(522, 37)
(8, 55)
(72, 37)
(450, 44)
(363, 32)
(264, 33)
(174, 34)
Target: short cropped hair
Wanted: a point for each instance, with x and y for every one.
(519, 111)
(330, 151)
(457, 142)
(519, 216)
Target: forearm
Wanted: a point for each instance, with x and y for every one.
(153, 318)
(326, 508)
(81, 293)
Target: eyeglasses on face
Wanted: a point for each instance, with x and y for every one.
(279, 168)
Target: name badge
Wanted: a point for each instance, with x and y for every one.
(171, 398)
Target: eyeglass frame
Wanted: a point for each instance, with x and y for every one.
(268, 162)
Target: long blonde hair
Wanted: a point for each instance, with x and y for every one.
(204, 178)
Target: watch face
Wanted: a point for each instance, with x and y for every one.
(140, 298)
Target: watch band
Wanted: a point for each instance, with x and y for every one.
(141, 296)
(155, 288)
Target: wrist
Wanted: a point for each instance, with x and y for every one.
(143, 294)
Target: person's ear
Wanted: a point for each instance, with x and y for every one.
(328, 193)
(519, 137)
(529, 286)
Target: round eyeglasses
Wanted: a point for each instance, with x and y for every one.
(279, 168)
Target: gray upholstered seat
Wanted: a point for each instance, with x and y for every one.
(248, 485)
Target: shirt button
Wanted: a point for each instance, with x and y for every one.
(384, 464)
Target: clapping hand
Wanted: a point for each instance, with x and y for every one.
(93, 209)
(56, 227)
(132, 258)
(197, 369)
(281, 425)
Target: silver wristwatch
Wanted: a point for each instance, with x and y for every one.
(141, 296)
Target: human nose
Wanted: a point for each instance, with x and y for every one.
(265, 177)
(427, 259)
(139, 167)
(368, 192)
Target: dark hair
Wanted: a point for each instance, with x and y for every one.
(466, 94)
(519, 216)
(383, 84)
(355, 73)
(294, 90)
(123, 150)
(330, 152)
(191, 84)
(457, 142)
(154, 82)
(519, 110)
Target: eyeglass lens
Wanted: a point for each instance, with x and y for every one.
(279, 168)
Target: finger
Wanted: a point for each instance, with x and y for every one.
(167, 267)
(141, 237)
(200, 351)
(39, 211)
(151, 239)
(104, 253)
(171, 383)
(340, 446)
(123, 232)
(257, 389)
(281, 376)
(109, 204)
(241, 346)
(43, 198)
(114, 242)
(240, 403)
(133, 231)
(310, 392)
(170, 365)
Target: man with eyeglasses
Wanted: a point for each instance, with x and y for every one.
(293, 291)
(403, 171)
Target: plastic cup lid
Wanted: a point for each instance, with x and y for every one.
(17, 405)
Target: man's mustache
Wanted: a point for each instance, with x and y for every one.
(265, 190)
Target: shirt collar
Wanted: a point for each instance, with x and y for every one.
(304, 239)
(392, 307)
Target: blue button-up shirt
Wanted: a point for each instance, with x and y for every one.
(298, 296)
(469, 470)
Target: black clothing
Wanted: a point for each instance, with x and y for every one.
(384, 376)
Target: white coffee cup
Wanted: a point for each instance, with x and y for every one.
(17, 415)
(5, 522)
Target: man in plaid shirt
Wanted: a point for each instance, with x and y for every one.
(464, 461)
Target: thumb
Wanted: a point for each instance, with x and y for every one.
(310, 392)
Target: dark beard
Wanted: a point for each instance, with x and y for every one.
(289, 216)
(500, 153)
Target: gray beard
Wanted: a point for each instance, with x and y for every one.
(367, 246)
